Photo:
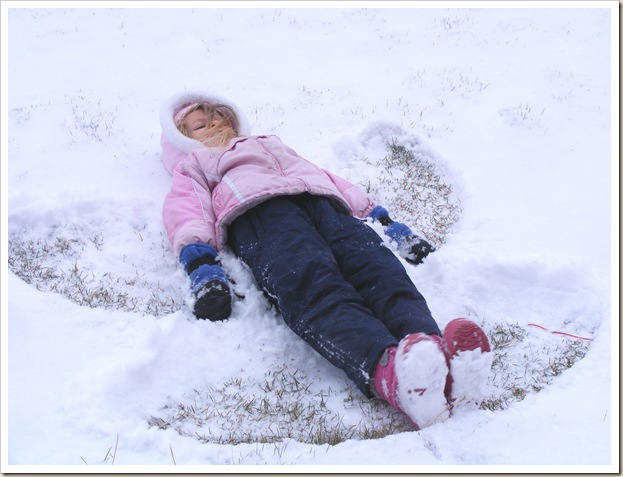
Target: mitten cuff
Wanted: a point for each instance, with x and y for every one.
(377, 213)
(193, 255)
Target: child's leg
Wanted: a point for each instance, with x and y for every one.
(374, 271)
(296, 267)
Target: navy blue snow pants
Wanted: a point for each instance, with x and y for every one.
(334, 282)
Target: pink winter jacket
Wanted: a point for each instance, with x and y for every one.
(213, 186)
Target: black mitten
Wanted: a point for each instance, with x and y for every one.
(415, 250)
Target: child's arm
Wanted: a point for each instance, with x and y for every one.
(189, 221)
(360, 203)
(187, 212)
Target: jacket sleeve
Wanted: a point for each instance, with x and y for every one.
(360, 202)
(187, 212)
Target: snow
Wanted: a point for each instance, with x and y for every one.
(516, 103)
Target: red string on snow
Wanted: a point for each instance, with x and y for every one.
(560, 332)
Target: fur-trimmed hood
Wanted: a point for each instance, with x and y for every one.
(176, 146)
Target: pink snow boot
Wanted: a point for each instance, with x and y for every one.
(469, 358)
(412, 378)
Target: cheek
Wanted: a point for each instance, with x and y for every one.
(224, 123)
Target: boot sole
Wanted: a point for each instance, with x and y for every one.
(421, 372)
(470, 360)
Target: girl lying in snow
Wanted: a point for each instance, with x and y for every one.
(302, 232)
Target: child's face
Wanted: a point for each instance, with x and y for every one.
(201, 127)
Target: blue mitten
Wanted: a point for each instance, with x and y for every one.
(411, 247)
(208, 281)
(380, 214)
(399, 233)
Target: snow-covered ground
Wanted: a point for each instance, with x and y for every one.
(102, 362)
